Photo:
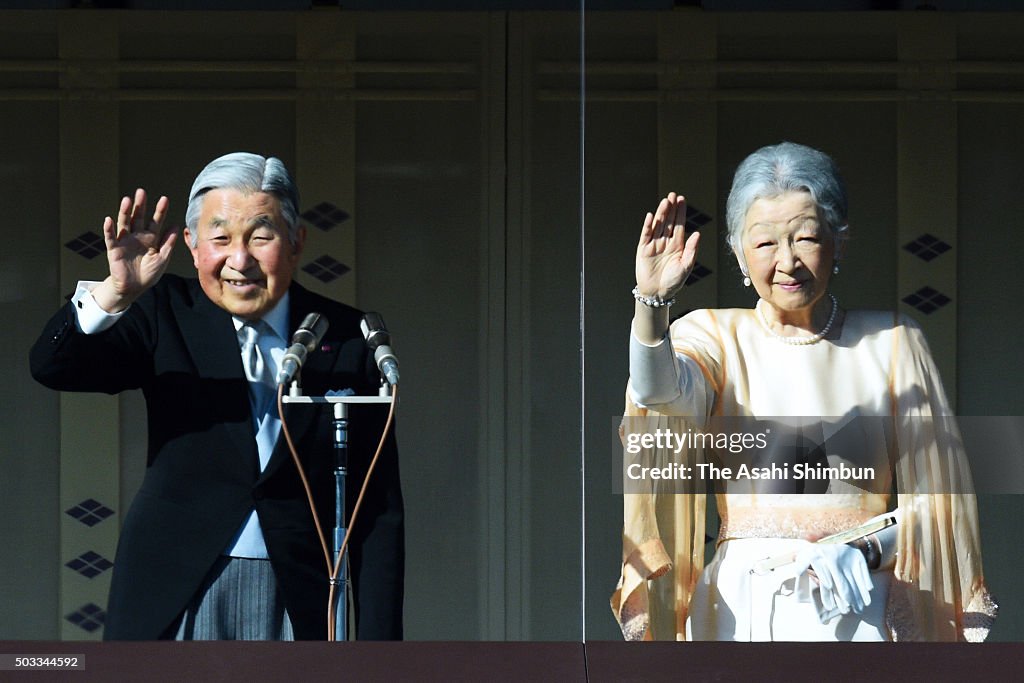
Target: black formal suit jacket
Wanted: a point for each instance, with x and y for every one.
(203, 474)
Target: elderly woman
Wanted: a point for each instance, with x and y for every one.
(796, 353)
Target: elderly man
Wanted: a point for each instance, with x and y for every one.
(220, 543)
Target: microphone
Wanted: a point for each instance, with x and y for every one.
(304, 341)
(379, 341)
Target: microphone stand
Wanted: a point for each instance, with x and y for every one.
(340, 425)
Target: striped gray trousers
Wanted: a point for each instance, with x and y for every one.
(238, 600)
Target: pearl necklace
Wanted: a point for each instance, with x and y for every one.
(801, 341)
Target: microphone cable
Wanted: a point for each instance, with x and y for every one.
(334, 567)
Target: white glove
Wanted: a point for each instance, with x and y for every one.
(844, 582)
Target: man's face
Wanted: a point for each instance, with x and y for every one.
(244, 259)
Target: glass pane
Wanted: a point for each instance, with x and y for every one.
(675, 99)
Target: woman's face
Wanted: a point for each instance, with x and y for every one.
(789, 251)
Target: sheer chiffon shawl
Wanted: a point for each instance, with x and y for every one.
(880, 366)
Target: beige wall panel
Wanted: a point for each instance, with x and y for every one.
(991, 146)
(325, 139)
(621, 186)
(629, 160)
(419, 246)
(30, 568)
(456, 275)
(807, 36)
(217, 51)
(927, 179)
(548, 311)
(418, 165)
(990, 325)
(89, 423)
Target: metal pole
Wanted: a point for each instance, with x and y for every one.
(340, 424)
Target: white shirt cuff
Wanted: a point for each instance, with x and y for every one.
(89, 317)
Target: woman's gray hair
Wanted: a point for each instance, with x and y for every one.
(786, 167)
(247, 173)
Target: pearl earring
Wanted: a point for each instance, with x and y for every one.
(746, 281)
(835, 269)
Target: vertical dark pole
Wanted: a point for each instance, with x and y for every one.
(340, 424)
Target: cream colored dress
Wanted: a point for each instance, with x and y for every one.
(724, 363)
